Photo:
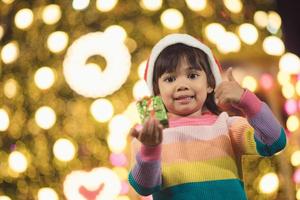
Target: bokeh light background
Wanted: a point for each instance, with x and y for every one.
(71, 71)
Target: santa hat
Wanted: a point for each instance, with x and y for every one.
(184, 39)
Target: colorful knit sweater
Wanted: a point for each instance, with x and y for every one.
(200, 158)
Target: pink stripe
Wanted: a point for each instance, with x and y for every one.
(206, 119)
(249, 103)
(150, 153)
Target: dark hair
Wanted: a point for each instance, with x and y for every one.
(168, 60)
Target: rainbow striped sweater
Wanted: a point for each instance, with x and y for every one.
(200, 158)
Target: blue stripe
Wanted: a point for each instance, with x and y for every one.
(140, 189)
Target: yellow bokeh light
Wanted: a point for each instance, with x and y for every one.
(57, 41)
(288, 90)
(10, 88)
(141, 69)
(51, 14)
(102, 110)
(120, 125)
(261, 18)
(80, 4)
(45, 117)
(8, 1)
(269, 183)
(17, 162)
(283, 78)
(64, 150)
(4, 198)
(250, 83)
(4, 120)
(196, 5)
(116, 32)
(214, 32)
(234, 6)
(248, 33)
(289, 63)
(229, 42)
(44, 78)
(297, 87)
(121, 172)
(140, 90)
(123, 197)
(274, 22)
(292, 123)
(47, 194)
(1, 32)
(152, 5)
(24, 18)
(116, 143)
(132, 114)
(172, 19)
(106, 5)
(295, 158)
(10, 52)
(298, 194)
(273, 45)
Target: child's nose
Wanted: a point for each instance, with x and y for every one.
(182, 87)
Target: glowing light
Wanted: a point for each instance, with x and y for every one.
(80, 4)
(102, 110)
(140, 90)
(172, 19)
(57, 41)
(266, 81)
(234, 6)
(152, 5)
(10, 52)
(132, 114)
(44, 78)
(292, 123)
(122, 198)
(4, 198)
(229, 43)
(121, 172)
(51, 14)
(283, 78)
(8, 1)
(106, 5)
(196, 5)
(297, 87)
(10, 88)
(248, 33)
(295, 158)
(274, 22)
(17, 162)
(273, 45)
(116, 32)
(250, 83)
(290, 106)
(118, 159)
(116, 143)
(102, 178)
(288, 90)
(4, 120)
(64, 150)
(47, 194)
(120, 125)
(1, 32)
(141, 69)
(289, 63)
(296, 176)
(214, 32)
(269, 183)
(24, 18)
(89, 80)
(261, 19)
(45, 117)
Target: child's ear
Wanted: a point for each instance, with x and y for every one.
(210, 89)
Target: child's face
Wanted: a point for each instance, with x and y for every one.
(184, 91)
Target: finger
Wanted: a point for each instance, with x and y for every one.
(229, 73)
(134, 131)
(160, 132)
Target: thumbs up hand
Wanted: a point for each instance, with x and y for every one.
(228, 92)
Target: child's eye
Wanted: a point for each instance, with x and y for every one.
(169, 79)
(193, 76)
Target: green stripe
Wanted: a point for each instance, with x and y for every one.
(140, 189)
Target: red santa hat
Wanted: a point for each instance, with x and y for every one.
(184, 39)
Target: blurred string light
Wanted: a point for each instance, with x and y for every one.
(283, 77)
(288, 90)
(4, 120)
(261, 19)
(214, 32)
(267, 81)
(17, 162)
(296, 176)
(141, 69)
(93, 180)
(172, 19)
(10, 88)
(64, 150)
(290, 106)
(248, 33)
(234, 6)
(250, 83)
(51, 14)
(292, 123)
(196, 5)
(229, 42)
(10, 52)
(295, 158)
(274, 22)
(45, 117)
(269, 183)
(57, 41)
(80, 4)
(24, 18)
(117, 32)
(102, 110)
(152, 5)
(106, 5)
(1, 32)
(297, 87)
(118, 159)
(44, 78)
(8, 1)
(47, 194)
(289, 63)
(273, 45)
(4, 198)
(140, 90)
(132, 114)
(89, 80)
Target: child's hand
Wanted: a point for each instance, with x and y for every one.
(228, 92)
(150, 134)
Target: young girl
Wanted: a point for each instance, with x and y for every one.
(199, 155)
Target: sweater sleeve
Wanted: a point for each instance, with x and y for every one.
(261, 132)
(145, 175)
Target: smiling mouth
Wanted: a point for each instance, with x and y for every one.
(184, 98)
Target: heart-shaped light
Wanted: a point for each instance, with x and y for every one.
(98, 184)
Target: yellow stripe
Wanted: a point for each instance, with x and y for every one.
(221, 168)
(250, 144)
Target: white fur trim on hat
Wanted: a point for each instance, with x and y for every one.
(187, 40)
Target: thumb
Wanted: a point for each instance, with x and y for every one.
(229, 74)
(135, 130)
